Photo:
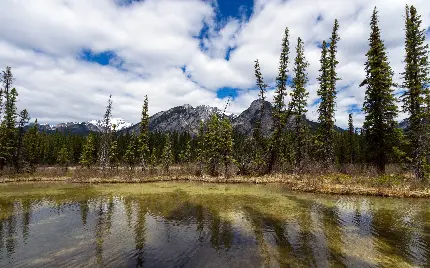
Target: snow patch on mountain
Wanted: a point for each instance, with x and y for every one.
(118, 122)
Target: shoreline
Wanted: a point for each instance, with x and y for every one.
(320, 184)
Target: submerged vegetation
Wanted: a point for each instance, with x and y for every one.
(199, 225)
(357, 161)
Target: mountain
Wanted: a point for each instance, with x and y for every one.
(118, 122)
(180, 119)
(187, 119)
(245, 122)
(82, 128)
(183, 118)
(404, 124)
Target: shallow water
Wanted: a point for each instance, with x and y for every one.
(206, 225)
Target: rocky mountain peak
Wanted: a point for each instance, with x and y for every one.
(185, 118)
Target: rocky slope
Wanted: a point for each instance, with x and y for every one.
(183, 118)
(180, 119)
(187, 119)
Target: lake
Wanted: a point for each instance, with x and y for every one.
(206, 225)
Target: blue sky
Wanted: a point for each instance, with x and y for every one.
(69, 56)
(225, 10)
(236, 9)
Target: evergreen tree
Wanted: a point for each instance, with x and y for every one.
(279, 113)
(226, 144)
(143, 135)
(298, 106)
(32, 147)
(167, 155)
(132, 152)
(331, 92)
(7, 81)
(323, 146)
(201, 147)
(1, 100)
(381, 132)
(288, 150)
(88, 156)
(416, 83)
(257, 133)
(7, 127)
(113, 150)
(153, 159)
(351, 135)
(106, 136)
(186, 154)
(23, 120)
(63, 157)
(213, 144)
(244, 153)
(262, 87)
(327, 93)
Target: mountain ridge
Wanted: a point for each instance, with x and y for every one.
(187, 118)
(184, 118)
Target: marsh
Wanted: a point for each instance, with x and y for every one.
(184, 224)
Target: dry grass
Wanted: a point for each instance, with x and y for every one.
(356, 183)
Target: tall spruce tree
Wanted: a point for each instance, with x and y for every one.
(298, 107)
(106, 136)
(351, 142)
(226, 134)
(333, 78)
(258, 140)
(327, 93)
(7, 127)
(416, 85)
(18, 156)
(323, 146)
(10, 95)
(262, 96)
(380, 127)
(279, 113)
(144, 152)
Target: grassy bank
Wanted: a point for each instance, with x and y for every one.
(393, 185)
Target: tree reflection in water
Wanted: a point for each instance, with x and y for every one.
(255, 227)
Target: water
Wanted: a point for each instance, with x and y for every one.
(206, 225)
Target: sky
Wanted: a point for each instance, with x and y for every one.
(68, 56)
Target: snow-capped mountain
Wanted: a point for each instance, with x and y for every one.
(118, 122)
(83, 128)
(185, 118)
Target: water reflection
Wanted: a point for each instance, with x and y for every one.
(253, 227)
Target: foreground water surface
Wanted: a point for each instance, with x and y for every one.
(206, 225)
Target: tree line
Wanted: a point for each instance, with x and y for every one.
(292, 146)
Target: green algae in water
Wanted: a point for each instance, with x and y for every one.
(206, 225)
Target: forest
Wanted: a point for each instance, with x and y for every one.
(379, 149)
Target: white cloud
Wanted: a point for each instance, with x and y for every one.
(153, 39)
